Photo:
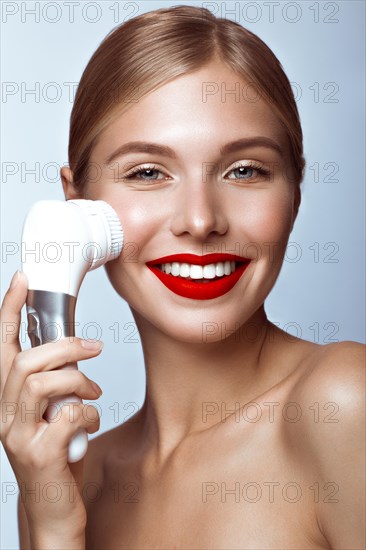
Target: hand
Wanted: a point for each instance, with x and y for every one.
(37, 450)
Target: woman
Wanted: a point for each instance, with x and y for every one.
(247, 438)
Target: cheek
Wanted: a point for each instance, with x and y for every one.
(136, 217)
(267, 221)
(140, 224)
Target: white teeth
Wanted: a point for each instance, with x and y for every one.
(196, 271)
(220, 269)
(193, 271)
(184, 270)
(227, 268)
(209, 271)
(175, 269)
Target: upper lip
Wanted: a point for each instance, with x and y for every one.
(198, 260)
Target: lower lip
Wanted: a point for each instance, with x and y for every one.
(199, 291)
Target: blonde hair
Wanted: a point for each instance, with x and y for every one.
(152, 48)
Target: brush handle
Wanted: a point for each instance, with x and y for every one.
(79, 443)
(51, 316)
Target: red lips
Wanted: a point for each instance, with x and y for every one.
(198, 260)
(187, 288)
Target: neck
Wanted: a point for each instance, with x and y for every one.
(191, 387)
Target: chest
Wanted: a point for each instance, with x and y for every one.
(226, 496)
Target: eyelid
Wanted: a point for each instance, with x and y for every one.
(238, 164)
(142, 167)
(249, 163)
(263, 172)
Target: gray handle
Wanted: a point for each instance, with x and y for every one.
(51, 316)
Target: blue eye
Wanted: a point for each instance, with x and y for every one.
(245, 172)
(144, 170)
(241, 172)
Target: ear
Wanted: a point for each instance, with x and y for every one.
(67, 178)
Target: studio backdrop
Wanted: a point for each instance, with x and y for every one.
(319, 295)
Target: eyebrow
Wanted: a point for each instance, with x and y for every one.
(164, 150)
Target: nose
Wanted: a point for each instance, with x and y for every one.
(198, 210)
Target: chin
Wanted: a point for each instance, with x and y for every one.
(200, 327)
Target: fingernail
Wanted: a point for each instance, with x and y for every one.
(97, 388)
(15, 280)
(89, 344)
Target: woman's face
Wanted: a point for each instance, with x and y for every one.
(196, 200)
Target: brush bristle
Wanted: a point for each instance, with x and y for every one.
(115, 228)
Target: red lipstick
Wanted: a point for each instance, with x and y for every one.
(188, 288)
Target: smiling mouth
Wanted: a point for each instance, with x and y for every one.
(200, 274)
(199, 282)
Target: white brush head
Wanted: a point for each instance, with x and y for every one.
(63, 240)
(113, 231)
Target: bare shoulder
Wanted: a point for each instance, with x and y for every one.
(335, 373)
(332, 387)
(330, 439)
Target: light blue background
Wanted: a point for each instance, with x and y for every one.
(310, 292)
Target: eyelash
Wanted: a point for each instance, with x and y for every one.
(152, 167)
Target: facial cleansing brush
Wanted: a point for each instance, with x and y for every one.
(61, 242)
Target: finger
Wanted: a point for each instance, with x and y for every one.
(55, 438)
(36, 393)
(10, 319)
(44, 358)
(13, 302)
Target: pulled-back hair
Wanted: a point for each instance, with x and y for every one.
(150, 49)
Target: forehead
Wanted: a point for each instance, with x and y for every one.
(202, 110)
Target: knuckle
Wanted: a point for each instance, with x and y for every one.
(60, 351)
(70, 343)
(33, 385)
(11, 442)
(64, 353)
(67, 349)
(20, 363)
